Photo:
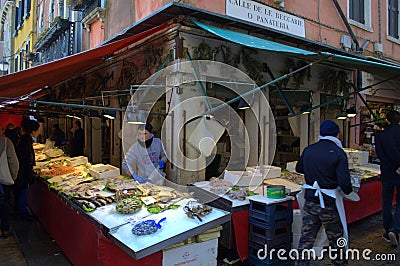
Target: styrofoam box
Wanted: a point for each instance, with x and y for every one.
(74, 161)
(104, 171)
(269, 171)
(357, 157)
(291, 166)
(204, 253)
(243, 178)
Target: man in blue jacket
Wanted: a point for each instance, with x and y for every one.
(388, 150)
(325, 169)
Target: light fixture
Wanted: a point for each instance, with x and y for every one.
(110, 114)
(341, 115)
(351, 112)
(135, 116)
(243, 104)
(305, 109)
(94, 113)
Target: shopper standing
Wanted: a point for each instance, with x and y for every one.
(388, 150)
(26, 157)
(13, 165)
(327, 177)
(77, 143)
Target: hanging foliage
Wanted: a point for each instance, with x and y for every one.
(153, 59)
(297, 78)
(129, 75)
(334, 82)
(205, 52)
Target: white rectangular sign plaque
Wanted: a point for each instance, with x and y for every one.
(266, 16)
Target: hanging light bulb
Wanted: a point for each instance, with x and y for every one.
(341, 115)
(351, 112)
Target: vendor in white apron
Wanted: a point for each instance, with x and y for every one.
(148, 155)
(327, 177)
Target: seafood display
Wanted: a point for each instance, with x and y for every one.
(194, 209)
(295, 178)
(219, 186)
(129, 205)
(56, 170)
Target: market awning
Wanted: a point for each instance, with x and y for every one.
(25, 81)
(377, 68)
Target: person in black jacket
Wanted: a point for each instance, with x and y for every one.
(26, 157)
(326, 163)
(78, 142)
(58, 136)
(388, 150)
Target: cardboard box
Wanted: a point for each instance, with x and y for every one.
(104, 171)
(204, 253)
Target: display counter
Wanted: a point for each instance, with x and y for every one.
(87, 241)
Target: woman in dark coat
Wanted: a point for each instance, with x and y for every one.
(26, 157)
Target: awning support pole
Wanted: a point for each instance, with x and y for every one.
(199, 83)
(263, 86)
(280, 91)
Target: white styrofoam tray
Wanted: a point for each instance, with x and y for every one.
(104, 171)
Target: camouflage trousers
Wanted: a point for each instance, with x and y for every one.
(313, 218)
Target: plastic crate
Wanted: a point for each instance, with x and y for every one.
(254, 261)
(271, 212)
(271, 237)
(272, 222)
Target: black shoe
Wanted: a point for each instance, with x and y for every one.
(6, 234)
(394, 239)
(385, 236)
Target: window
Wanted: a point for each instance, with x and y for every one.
(360, 12)
(393, 18)
(356, 10)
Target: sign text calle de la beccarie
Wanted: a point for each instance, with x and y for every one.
(266, 16)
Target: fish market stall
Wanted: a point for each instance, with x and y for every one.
(99, 217)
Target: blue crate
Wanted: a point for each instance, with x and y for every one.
(254, 261)
(272, 237)
(268, 212)
(271, 222)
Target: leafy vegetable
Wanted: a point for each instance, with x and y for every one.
(87, 209)
(235, 188)
(153, 209)
(173, 206)
(60, 192)
(250, 192)
(109, 187)
(52, 185)
(138, 194)
(70, 196)
(46, 177)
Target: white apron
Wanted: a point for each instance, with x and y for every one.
(322, 239)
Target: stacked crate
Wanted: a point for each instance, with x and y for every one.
(270, 227)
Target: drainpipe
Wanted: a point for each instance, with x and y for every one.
(346, 23)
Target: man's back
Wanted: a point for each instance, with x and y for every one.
(327, 164)
(388, 150)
